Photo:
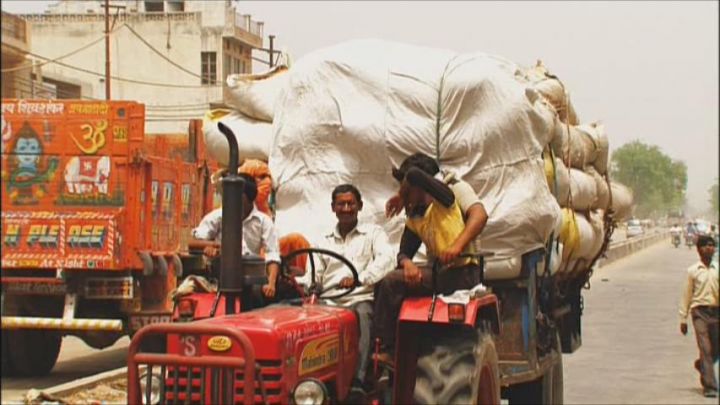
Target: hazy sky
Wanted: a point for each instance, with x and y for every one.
(648, 70)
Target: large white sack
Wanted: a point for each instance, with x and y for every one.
(254, 137)
(586, 242)
(622, 199)
(598, 156)
(552, 89)
(255, 94)
(601, 188)
(583, 191)
(562, 179)
(582, 146)
(353, 111)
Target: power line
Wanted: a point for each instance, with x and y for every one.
(82, 48)
(122, 79)
(160, 53)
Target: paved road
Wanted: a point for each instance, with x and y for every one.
(76, 360)
(633, 352)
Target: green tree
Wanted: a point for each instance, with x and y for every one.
(658, 182)
(714, 196)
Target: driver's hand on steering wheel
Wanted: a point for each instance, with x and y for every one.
(347, 282)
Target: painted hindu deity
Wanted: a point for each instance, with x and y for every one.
(28, 171)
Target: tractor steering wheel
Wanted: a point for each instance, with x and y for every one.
(314, 288)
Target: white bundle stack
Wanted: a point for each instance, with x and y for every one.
(254, 137)
(349, 113)
(255, 95)
(352, 112)
(582, 189)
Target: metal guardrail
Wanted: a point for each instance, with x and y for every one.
(618, 250)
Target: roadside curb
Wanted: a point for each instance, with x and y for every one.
(627, 247)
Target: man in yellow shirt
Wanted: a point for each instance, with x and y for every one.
(445, 215)
(700, 298)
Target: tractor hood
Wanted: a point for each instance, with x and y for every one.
(290, 342)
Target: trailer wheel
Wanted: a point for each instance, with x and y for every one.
(547, 389)
(458, 369)
(34, 352)
(6, 365)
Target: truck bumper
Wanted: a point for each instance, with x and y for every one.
(22, 322)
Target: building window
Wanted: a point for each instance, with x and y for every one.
(176, 5)
(209, 67)
(236, 66)
(154, 6)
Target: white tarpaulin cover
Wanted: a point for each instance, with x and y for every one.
(254, 137)
(351, 112)
(255, 95)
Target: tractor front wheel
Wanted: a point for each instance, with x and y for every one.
(461, 368)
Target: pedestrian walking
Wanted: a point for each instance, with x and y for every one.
(700, 299)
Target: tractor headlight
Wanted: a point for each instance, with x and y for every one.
(153, 389)
(310, 392)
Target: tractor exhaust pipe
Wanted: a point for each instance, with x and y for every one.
(231, 278)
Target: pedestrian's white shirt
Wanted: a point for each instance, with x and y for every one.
(701, 288)
(258, 233)
(367, 248)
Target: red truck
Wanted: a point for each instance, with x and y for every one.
(96, 216)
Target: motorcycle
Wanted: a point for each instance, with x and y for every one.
(690, 241)
(676, 240)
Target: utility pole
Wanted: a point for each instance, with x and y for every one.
(107, 49)
(272, 40)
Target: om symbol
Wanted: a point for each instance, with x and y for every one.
(93, 137)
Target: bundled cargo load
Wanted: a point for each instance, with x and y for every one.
(254, 137)
(553, 90)
(352, 112)
(254, 95)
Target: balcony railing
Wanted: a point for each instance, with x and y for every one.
(245, 22)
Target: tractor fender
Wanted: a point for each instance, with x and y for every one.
(477, 310)
(148, 265)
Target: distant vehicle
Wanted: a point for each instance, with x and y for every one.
(634, 228)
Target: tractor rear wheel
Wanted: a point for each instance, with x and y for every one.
(33, 352)
(461, 368)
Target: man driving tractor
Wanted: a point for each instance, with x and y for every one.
(367, 247)
(445, 215)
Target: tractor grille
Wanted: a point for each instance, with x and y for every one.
(202, 385)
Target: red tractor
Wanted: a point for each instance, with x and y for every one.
(306, 352)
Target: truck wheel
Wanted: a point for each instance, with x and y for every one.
(458, 369)
(6, 365)
(34, 352)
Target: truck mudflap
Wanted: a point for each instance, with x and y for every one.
(193, 378)
(419, 310)
(25, 322)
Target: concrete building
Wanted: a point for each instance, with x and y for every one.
(172, 55)
(16, 69)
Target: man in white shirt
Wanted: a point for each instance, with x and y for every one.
(366, 246)
(259, 235)
(700, 298)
